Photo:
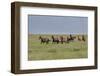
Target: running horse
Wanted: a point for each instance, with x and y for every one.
(70, 38)
(63, 40)
(83, 38)
(44, 40)
(79, 39)
(55, 39)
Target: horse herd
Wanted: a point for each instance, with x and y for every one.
(61, 39)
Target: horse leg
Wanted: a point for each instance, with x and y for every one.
(41, 41)
(61, 42)
(57, 41)
(67, 41)
(47, 42)
(52, 41)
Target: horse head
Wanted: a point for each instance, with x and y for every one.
(40, 37)
(52, 37)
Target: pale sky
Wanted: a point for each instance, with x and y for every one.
(39, 24)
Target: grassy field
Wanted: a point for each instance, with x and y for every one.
(72, 50)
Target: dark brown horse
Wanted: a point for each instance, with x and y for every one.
(44, 40)
(79, 39)
(83, 38)
(55, 39)
(70, 38)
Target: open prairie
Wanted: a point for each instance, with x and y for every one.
(73, 50)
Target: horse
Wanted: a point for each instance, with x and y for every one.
(68, 39)
(44, 40)
(72, 37)
(79, 39)
(55, 40)
(63, 40)
(83, 38)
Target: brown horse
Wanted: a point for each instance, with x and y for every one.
(44, 40)
(79, 39)
(63, 40)
(83, 38)
(55, 39)
(66, 40)
(70, 38)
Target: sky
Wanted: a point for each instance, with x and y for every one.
(42, 24)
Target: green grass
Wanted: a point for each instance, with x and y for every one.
(72, 50)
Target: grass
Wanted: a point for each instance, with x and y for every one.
(72, 50)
